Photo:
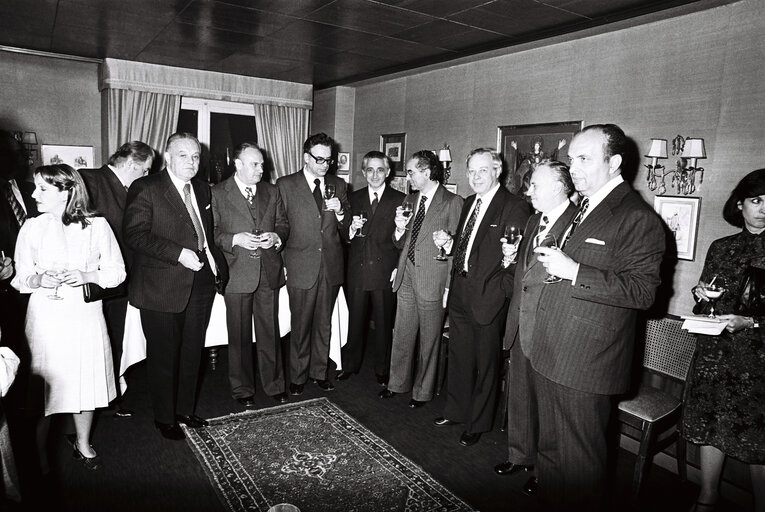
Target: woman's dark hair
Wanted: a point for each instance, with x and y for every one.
(63, 177)
(428, 160)
(751, 185)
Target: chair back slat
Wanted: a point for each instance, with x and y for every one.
(668, 348)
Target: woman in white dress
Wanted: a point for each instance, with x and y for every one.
(57, 252)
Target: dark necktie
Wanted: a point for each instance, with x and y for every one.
(459, 256)
(317, 194)
(194, 218)
(418, 218)
(540, 230)
(375, 202)
(577, 219)
(18, 211)
(248, 193)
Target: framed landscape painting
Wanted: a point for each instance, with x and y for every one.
(76, 156)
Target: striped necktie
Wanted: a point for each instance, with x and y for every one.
(577, 219)
(540, 231)
(459, 257)
(417, 224)
(248, 193)
(18, 211)
(194, 218)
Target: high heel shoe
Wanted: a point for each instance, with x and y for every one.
(91, 463)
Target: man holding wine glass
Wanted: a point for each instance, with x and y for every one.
(250, 225)
(477, 298)
(372, 259)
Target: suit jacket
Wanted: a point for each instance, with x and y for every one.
(431, 275)
(9, 227)
(485, 272)
(108, 197)
(584, 333)
(232, 215)
(157, 227)
(529, 282)
(314, 236)
(372, 258)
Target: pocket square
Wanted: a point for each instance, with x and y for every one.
(594, 241)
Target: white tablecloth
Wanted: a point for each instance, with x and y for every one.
(134, 342)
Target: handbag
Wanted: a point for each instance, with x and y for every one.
(92, 292)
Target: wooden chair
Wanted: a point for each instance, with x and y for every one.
(655, 409)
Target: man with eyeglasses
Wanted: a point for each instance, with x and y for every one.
(313, 257)
(420, 280)
(372, 258)
(107, 188)
(479, 288)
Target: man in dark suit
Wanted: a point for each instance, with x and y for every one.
(107, 188)
(421, 280)
(169, 226)
(549, 188)
(313, 255)
(242, 204)
(585, 325)
(372, 258)
(477, 300)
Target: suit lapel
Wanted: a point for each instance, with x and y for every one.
(236, 199)
(489, 218)
(262, 198)
(116, 187)
(557, 230)
(429, 222)
(597, 217)
(175, 200)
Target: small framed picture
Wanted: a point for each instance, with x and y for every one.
(343, 163)
(75, 156)
(394, 146)
(681, 215)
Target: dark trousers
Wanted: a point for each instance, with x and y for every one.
(363, 304)
(522, 411)
(262, 307)
(573, 445)
(114, 312)
(174, 343)
(474, 362)
(311, 315)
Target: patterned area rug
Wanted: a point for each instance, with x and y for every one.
(315, 456)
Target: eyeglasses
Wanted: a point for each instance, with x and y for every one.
(410, 172)
(321, 161)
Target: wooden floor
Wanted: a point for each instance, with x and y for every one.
(144, 472)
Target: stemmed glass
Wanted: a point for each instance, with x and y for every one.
(551, 242)
(512, 234)
(57, 272)
(407, 209)
(363, 217)
(258, 233)
(440, 243)
(329, 193)
(714, 291)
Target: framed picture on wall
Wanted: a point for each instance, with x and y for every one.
(399, 184)
(527, 144)
(681, 215)
(394, 146)
(343, 163)
(76, 156)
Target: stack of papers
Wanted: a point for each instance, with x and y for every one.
(701, 324)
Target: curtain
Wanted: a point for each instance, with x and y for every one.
(141, 115)
(281, 132)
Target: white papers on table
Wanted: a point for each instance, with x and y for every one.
(700, 324)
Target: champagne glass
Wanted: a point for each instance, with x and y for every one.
(551, 242)
(363, 216)
(440, 243)
(57, 272)
(407, 209)
(714, 291)
(329, 193)
(258, 233)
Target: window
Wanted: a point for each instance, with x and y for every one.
(220, 126)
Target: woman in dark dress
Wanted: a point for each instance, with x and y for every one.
(724, 409)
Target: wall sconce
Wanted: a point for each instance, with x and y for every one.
(683, 175)
(445, 156)
(29, 139)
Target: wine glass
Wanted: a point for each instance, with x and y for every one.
(551, 242)
(57, 272)
(512, 234)
(258, 233)
(329, 193)
(714, 291)
(440, 243)
(407, 209)
(363, 217)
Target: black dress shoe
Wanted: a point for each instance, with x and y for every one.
(531, 486)
(386, 393)
(443, 422)
(296, 389)
(325, 384)
(246, 401)
(469, 439)
(170, 431)
(191, 420)
(508, 468)
(381, 379)
(281, 398)
(343, 375)
(416, 403)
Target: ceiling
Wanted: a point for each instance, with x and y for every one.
(320, 42)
